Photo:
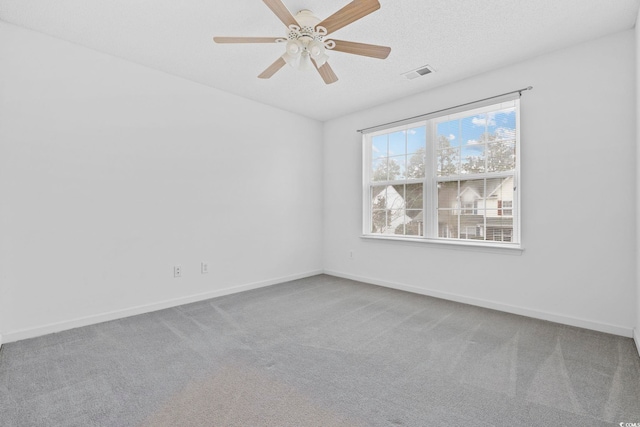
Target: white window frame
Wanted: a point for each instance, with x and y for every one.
(430, 194)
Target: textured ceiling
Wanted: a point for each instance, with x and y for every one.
(459, 38)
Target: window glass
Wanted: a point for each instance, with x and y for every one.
(451, 177)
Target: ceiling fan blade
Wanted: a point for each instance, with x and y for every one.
(348, 14)
(281, 12)
(271, 70)
(372, 50)
(326, 72)
(247, 39)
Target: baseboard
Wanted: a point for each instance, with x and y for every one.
(147, 308)
(636, 338)
(536, 314)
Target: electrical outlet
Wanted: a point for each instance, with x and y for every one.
(351, 255)
(204, 267)
(177, 271)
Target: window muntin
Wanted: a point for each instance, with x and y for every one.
(451, 177)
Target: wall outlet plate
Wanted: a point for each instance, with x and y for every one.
(177, 271)
(204, 267)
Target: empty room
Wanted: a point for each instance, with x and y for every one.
(319, 213)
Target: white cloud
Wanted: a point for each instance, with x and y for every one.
(452, 137)
(506, 133)
(484, 120)
(507, 112)
(472, 142)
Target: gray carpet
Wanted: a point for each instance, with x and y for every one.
(321, 351)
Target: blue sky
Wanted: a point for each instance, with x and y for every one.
(466, 132)
(463, 133)
(415, 139)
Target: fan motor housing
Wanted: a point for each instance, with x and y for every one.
(306, 18)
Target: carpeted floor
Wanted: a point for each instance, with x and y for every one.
(321, 351)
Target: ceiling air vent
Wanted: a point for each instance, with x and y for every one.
(422, 71)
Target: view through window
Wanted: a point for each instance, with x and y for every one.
(450, 177)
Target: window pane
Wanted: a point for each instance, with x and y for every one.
(500, 188)
(378, 197)
(507, 208)
(395, 197)
(500, 196)
(379, 221)
(397, 209)
(397, 221)
(397, 143)
(448, 161)
(379, 146)
(472, 192)
(397, 168)
(447, 223)
(461, 207)
(448, 195)
(408, 223)
(378, 208)
(499, 227)
(448, 134)
(413, 197)
(472, 159)
(379, 169)
(415, 165)
(503, 125)
(472, 128)
(501, 156)
(416, 139)
(472, 226)
(415, 224)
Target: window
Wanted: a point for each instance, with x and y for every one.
(450, 177)
(504, 207)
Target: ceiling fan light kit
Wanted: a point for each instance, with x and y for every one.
(305, 42)
(306, 45)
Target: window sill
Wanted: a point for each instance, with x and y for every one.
(511, 248)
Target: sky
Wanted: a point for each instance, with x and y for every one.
(463, 132)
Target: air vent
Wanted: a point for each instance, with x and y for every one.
(422, 71)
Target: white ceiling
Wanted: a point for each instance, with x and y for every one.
(459, 38)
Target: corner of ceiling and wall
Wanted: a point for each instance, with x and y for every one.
(636, 334)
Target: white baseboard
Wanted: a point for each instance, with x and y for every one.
(147, 308)
(536, 314)
(636, 338)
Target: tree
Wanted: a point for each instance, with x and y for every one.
(500, 155)
(448, 157)
(415, 168)
(379, 214)
(386, 171)
(473, 164)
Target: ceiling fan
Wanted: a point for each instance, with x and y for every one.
(306, 43)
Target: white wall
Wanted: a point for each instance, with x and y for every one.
(637, 329)
(112, 173)
(578, 136)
